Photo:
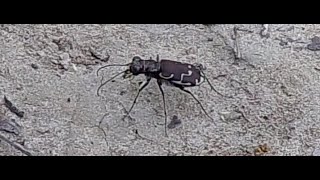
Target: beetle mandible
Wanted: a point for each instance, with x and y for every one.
(169, 72)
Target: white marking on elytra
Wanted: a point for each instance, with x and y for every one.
(164, 77)
(189, 66)
(199, 82)
(166, 82)
(189, 74)
(182, 75)
(143, 83)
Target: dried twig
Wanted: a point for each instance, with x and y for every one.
(237, 52)
(93, 54)
(243, 88)
(236, 48)
(139, 136)
(103, 131)
(265, 31)
(16, 145)
(12, 107)
(9, 127)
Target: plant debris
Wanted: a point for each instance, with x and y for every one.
(13, 108)
(315, 44)
(9, 126)
(175, 121)
(261, 149)
(16, 145)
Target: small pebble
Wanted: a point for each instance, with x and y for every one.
(229, 116)
(316, 152)
(122, 93)
(34, 66)
(41, 53)
(65, 60)
(64, 56)
(174, 122)
(283, 43)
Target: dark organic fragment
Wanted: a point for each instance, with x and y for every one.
(315, 44)
(174, 122)
(13, 108)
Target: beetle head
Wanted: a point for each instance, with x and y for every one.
(137, 65)
(200, 66)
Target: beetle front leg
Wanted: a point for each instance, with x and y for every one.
(142, 86)
(164, 105)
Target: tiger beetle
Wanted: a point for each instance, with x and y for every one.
(168, 72)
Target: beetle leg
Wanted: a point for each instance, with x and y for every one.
(212, 88)
(109, 81)
(127, 74)
(200, 66)
(182, 88)
(142, 86)
(164, 106)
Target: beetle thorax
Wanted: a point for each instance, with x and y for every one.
(140, 66)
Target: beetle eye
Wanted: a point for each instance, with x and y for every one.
(135, 68)
(136, 58)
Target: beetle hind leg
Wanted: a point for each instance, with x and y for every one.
(164, 106)
(142, 86)
(211, 86)
(187, 91)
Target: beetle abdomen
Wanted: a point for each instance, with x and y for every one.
(180, 73)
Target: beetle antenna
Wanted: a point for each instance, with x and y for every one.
(110, 66)
(205, 77)
(110, 80)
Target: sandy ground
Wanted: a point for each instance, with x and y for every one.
(49, 73)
